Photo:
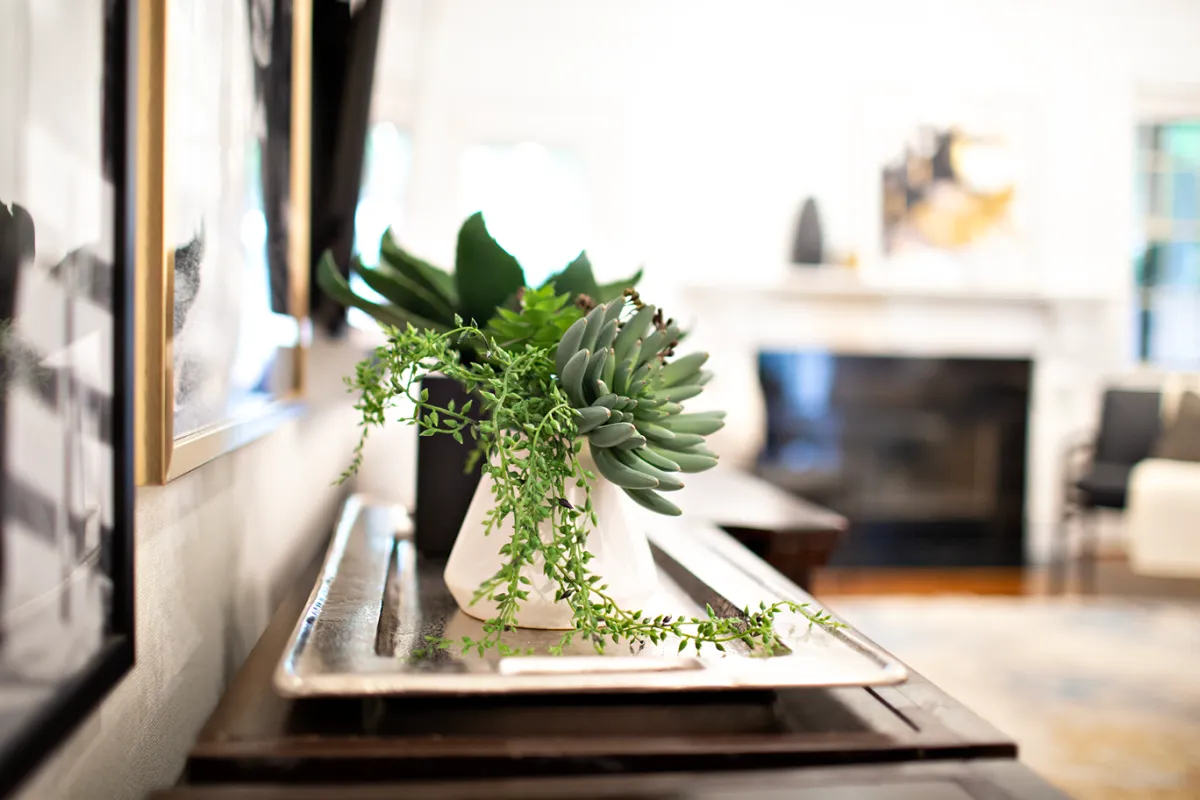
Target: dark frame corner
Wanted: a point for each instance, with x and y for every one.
(79, 697)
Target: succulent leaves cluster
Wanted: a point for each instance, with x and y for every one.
(629, 399)
(543, 319)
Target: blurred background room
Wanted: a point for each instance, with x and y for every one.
(946, 257)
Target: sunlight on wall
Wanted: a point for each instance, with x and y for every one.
(534, 199)
(386, 171)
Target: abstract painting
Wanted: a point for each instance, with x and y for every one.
(947, 188)
(948, 184)
(66, 592)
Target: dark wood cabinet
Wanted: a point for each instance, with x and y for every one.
(905, 741)
(900, 741)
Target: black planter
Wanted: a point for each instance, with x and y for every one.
(444, 488)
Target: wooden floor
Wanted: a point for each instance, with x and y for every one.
(1113, 578)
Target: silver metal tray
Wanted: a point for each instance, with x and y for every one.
(376, 601)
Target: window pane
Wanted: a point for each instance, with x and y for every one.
(1167, 263)
(1182, 141)
(386, 168)
(534, 199)
(1182, 260)
(1183, 195)
(1175, 328)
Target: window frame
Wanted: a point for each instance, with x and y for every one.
(1155, 106)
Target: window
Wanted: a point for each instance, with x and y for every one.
(387, 164)
(1167, 255)
(534, 199)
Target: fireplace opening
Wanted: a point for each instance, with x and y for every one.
(924, 456)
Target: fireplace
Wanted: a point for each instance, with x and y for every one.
(925, 456)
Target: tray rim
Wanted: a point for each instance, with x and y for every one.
(666, 677)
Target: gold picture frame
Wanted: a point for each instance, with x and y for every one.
(160, 454)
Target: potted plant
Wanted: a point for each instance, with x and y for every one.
(484, 287)
(582, 415)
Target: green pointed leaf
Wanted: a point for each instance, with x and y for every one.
(335, 286)
(422, 272)
(402, 291)
(485, 275)
(576, 278)
(611, 291)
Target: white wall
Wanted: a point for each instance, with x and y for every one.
(215, 551)
(709, 122)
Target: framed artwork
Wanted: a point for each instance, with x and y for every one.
(223, 295)
(948, 185)
(66, 343)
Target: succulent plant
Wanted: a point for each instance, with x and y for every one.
(486, 278)
(629, 399)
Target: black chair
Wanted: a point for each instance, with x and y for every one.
(1096, 473)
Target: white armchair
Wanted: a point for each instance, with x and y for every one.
(1163, 509)
(1163, 518)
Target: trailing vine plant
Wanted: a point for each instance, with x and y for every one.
(530, 440)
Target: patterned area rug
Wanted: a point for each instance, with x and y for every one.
(1102, 696)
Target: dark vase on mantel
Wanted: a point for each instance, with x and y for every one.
(444, 488)
(808, 247)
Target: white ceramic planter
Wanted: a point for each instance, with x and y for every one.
(621, 557)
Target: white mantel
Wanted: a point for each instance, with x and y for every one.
(1061, 334)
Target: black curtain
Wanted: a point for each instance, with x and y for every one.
(344, 48)
(271, 49)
